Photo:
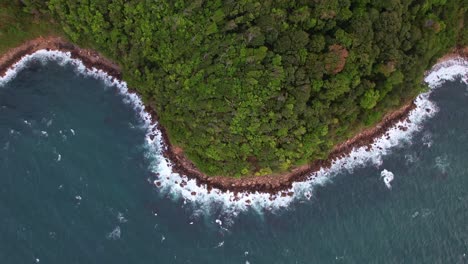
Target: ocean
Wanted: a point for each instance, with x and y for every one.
(77, 174)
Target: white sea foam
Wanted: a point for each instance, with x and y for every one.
(220, 244)
(442, 163)
(230, 203)
(427, 139)
(425, 212)
(387, 178)
(410, 158)
(115, 234)
(47, 122)
(121, 218)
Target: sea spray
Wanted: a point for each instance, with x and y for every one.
(387, 177)
(203, 199)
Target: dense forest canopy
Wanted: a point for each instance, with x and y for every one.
(255, 87)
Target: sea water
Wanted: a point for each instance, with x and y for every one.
(77, 174)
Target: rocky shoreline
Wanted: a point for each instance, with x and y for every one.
(277, 183)
(272, 184)
(90, 58)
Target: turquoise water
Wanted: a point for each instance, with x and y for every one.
(75, 188)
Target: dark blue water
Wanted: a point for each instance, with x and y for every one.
(79, 192)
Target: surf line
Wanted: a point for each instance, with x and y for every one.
(177, 177)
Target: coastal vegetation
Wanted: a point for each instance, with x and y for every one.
(17, 26)
(258, 87)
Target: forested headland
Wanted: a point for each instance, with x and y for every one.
(250, 87)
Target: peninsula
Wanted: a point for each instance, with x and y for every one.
(255, 95)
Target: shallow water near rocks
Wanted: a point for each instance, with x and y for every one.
(75, 188)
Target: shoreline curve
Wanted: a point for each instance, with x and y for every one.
(272, 184)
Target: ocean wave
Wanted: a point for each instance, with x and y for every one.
(229, 203)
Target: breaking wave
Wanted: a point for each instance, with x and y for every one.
(169, 182)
